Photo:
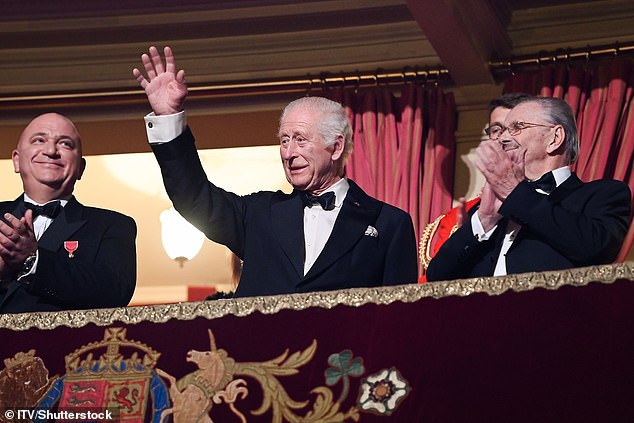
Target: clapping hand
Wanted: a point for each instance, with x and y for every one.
(165, 88)
(503, 170)
(17, 242)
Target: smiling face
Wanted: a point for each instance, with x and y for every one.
(496, 127)
(541, 139)
(309, 163)
(497, 118)
(49, 158)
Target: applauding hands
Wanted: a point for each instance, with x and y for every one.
(17, 242)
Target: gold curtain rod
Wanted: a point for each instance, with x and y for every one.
(308, 83)
(562, 55)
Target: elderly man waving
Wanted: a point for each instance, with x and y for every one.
(327, 234)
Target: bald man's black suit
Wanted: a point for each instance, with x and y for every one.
(102, 272)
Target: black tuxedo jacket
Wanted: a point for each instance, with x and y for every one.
(578, 224)
(265, 229)
(102, 272)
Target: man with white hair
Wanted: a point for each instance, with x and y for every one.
(327, 234)
(534, 213)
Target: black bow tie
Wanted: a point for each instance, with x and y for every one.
(546, 183)
(50, 209)
(326, 200)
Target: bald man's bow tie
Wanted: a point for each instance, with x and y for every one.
(50, 209)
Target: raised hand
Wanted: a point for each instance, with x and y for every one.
(17, 240)
(165, 89)
(503, 170)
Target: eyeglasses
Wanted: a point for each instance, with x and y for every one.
(495, 131)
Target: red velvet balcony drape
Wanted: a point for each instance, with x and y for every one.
(404, 147)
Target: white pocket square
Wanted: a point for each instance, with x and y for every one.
(371, 231)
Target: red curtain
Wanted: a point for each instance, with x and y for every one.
(600, 95)
(404, 147)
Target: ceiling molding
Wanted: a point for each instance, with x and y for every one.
(464, 34)
(52, 47)
(571, 26)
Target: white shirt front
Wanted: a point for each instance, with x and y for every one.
(40, 225)
(512, 228)
(318, 223)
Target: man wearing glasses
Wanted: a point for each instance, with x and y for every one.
(437, 232)
(534, 213)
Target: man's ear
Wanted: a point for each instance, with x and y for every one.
(15, 156)
(339, 146)
(557, 141)
(82, 167)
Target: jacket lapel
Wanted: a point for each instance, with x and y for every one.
(287, 217)
(562, 191)
(17, 209)
(357, 212)
(498, 240)
(63, 227)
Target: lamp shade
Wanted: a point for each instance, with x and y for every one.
(181, 240)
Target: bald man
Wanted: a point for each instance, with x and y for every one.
(55, 253)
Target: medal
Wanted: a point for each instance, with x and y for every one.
(71, 247)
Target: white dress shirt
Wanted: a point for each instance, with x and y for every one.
(512, 228)
(40, 225)
(318, 223)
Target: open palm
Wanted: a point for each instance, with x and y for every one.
(166, 90)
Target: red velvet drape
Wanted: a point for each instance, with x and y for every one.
(404, 147)
(601, 98)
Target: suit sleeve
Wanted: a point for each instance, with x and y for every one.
(588, 233)
(214, 211)
(106, 281)
(401, 263)
(459, 254)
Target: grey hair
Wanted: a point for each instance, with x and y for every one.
(558, 112)
(334, 121)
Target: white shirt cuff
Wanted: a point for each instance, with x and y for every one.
(478, 229)
(164, 128)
